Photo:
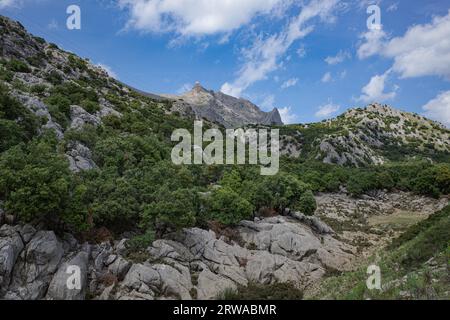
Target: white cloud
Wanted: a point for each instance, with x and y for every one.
(327, 78)
(108, 70)
(287, 116)
(343, 74)
(392, 7)
(289, 83)
(439, 108)
(374, 90)
(185, 88)
(301, 52)
(10, 3)
(268, 103)
(373, 43)
(327, 110)
(195, 17)
(264, 56)
(339, 58)
(424, 50)
(364, 4)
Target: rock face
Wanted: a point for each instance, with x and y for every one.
(221, 108)
(80, 157)
(59, 288)
(35, 266)
(194, 264)
(197, 263)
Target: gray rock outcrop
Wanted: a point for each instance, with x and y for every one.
(218, 107)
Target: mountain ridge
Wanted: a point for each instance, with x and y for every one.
(221, 108)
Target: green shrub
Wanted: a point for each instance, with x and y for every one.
(141, 242)
(17, 123)
(54, 77)
(37, 186)
(260, 292)
(227, 207)
(90, 106)
(307, 203)
(171, 209)
(18, 66)
(38, 89)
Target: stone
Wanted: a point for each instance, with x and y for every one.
(173, 282)
(59, 286)
(35, 267)
(107, 293)
(79, 117)
(100, 254)
(210, 286)
(142, 278)
(2, 215)
(11, 245)
(119, 267)
(80, 157)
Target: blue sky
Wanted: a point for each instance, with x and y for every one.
(311, 59)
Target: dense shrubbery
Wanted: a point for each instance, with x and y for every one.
(17, 124)
(136, 187)
(18, 66)
(417, 176)
(38, 186)
(277, 291)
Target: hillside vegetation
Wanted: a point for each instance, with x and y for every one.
(415, 265)
(81, 152)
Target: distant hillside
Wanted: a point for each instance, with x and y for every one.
(221, 108)
(372, 135)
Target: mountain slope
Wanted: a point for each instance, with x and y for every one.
(371, 135)
(413, 266)
(221, 108)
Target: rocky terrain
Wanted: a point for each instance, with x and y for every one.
(200, 264)
(221, 108)
(368, 136)
(372, 135)
(193, 264)
(81, 105)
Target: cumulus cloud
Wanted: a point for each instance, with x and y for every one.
(9, 3)
(327, 110)
(439, 108)
(424, 50)
(264, 56)
(339, 58)
(287, 116)
(286, 113)
(327, 78)
(374, 90)
(289, 83)
(373, 42)
(195, 17)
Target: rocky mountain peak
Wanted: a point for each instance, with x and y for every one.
(221, 108)
(198, 88)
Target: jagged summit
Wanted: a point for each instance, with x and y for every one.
(198, 88)
(221, 108)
